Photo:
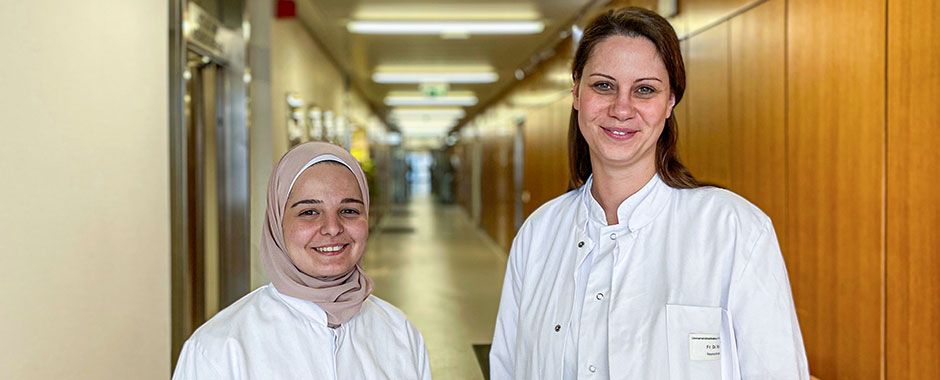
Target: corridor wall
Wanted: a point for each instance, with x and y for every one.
(822, 114)
(913, 201)
(540, 104)
(84, 158)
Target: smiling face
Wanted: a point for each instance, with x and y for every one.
(325, 224)
(623, 99)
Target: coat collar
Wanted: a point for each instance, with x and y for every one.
(306, 308)
(650, 200)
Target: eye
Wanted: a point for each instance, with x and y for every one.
(645, 90)
(310, 212)
(350, 211)
(603, 86)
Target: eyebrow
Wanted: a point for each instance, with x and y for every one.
(306, 202)
(317, 201)
(638, 80)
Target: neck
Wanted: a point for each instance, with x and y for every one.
(612, 186)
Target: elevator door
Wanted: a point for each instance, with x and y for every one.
(203, 122)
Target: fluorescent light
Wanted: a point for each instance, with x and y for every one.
(431, 132)
(435, 77)
(445, 27)
(426, 125)
(438, 12)
(454, 112)
(418, 99)
(426, 118)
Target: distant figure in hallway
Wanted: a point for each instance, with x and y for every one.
(317, 319)
(642, 272)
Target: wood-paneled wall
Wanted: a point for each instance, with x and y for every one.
(823, 114)
(835, 154)
(496, 216)
(913, 209)
(757, 119)
(708, 131)
(546, 153)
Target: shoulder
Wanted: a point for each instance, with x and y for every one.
(251, 311)
(560, 207)
(719, 213)
(716, 204)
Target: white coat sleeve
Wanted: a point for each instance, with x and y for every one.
(766, 330)
(502, 353)
(193, 364)
(423, 364)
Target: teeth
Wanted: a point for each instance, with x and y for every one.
(619, 133)
(334, 248)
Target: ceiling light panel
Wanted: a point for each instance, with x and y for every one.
(440, 12)
(453, 112)
(445, 27)
(434, 74)
(435, 77)
(395, 99)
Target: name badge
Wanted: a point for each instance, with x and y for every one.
(704, 347)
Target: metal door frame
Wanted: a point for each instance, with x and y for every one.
(233, 170)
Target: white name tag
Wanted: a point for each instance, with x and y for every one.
(704, 347)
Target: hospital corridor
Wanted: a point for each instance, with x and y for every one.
(470, 189)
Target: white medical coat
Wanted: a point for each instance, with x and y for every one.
(269, 335)
(691, 265)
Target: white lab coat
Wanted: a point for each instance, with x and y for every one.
(269, 335)
(689, 266)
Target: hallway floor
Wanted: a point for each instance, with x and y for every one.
(432, 263)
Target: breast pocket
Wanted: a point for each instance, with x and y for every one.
(693, 338)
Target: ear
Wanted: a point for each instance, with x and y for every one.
(575, 98)
(672, 104)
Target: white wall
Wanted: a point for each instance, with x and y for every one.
(84, 225)
(261, 145)
(300, 66)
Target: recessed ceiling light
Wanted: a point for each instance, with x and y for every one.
(438, 11)
(435, 77)
(445, 27)
(454, 112)
(418, 99)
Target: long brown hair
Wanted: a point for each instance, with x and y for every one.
(633, 22)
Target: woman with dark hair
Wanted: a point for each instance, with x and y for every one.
(642, 272)
(317, 319)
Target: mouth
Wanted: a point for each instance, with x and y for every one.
(620, 134)
(331, 250)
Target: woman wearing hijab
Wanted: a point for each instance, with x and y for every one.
(317, 319)
(642, 272)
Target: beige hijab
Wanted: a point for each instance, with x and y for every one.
(341, 296)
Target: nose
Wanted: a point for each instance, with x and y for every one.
(332, 226)
(621, 107)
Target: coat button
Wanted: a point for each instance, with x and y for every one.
(599, 296)
(613, 236)
(580, 244)
(557, 328)
(592, 369)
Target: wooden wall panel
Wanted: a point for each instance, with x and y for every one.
(699, 15)
(835, 126)
(709, 135)
(757, 121)
(497, 192)
(913, 260)
(546, 153)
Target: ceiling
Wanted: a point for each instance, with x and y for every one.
(361, 54)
